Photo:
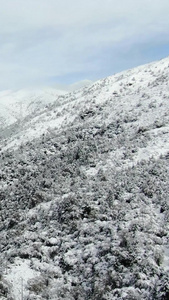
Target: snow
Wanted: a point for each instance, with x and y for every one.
(129, 94)
(89, 189)
(53, 241)
(18, 275)
(16, 105)
(166, 258)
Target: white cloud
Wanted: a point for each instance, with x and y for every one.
(44, 39)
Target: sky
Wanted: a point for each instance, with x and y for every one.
(61, 42)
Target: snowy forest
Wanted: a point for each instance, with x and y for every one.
(84, 204)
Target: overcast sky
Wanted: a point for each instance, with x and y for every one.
(48, 42)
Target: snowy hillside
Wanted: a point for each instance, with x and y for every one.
(84, 187)
(15, 106)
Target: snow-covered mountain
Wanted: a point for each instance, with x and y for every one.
(84, 187)
(16, 105)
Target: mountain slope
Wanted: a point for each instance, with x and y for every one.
(84, 193)
(15, 106)
(134, 94)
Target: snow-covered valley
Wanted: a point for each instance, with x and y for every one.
(84, 210)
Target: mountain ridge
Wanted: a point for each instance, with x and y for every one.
(16, 105)
(117, 82)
